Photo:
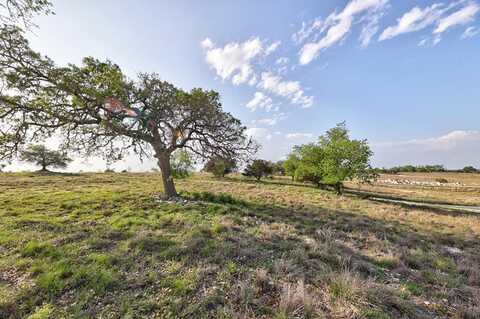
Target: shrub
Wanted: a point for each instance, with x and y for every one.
(258, 169)
(220, 167)
(182, 164)
(469, 169)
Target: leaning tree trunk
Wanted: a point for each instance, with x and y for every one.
(167, 178)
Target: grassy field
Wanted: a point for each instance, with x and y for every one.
(468, 193)
(107, 246)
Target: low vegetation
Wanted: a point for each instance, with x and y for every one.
(108, 245)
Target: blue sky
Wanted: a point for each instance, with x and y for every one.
(403, 74)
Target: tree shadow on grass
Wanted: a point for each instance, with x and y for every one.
(319, 245)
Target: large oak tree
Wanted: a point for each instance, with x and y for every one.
(95, 109)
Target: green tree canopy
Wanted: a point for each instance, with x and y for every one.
(220, 167)
(310, 163)
(278, 168)
(182, 164)
(96, 109)
(290, 165)
(43, 157)
(332, 160)
(469, 169)
(258, 168)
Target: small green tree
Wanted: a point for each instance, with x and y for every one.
(469, 169)
(220, 167)
(344, 158)
(290, 165)
(278, 168)
(332, 160)
(182, 164)
(258, 168)
(309, 166)
(41, 156)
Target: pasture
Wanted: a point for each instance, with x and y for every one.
(108, 246)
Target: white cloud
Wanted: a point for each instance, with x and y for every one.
(240, 62)
(370, 28)
(470, 32)
(282, 61)
(260, 101)
(455, 149)
(288, 89)
(337, 26)
(272, 47)
(423, 42)
(307, 30)
(259, 133)
(271, 121)
(299, 136)
(206, 44)
(275, 144)
(414, 20)
(236, 60)
(460, 17)
(418, 19)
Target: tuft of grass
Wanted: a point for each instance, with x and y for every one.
(374, 314)
(414, 288)
(345, 287)
(54, 279)
(35, 248)
(43, 312)
(95, 277)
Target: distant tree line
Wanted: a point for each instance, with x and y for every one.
(424, 169)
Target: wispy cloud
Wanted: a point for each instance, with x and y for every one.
(437, 14)
(288, 89)
(282, 61)
(307, 30)
(460, 17)
(470, 32)
(299, 136)
(335, 28)
(272, 47)
(270, 121)
(414, 20)
(370, 28)
(260, 101)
